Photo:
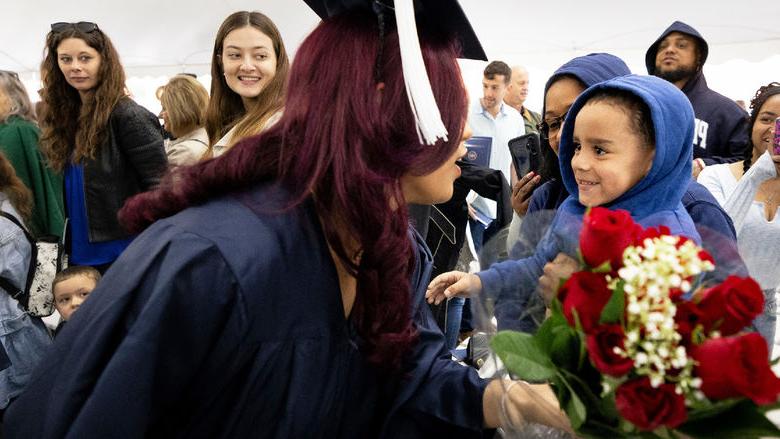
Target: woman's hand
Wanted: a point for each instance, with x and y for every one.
(510, 404)
(451, 284)
(521, 192)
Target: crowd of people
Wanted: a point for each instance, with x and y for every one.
(260, 263)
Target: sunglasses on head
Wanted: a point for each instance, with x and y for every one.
(83, 26)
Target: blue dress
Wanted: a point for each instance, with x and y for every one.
(226, 321)
(84, 252)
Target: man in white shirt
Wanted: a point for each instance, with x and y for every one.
(491, 117)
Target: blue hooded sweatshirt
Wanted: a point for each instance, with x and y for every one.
(715, 225)
(721, 134)
(589, 69)
(653, 201)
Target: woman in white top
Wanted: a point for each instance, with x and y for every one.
(749, 192)
(248, 77)
(184, 101)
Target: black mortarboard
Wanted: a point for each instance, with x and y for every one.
(445, 16)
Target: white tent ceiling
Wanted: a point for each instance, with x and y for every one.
(159, 38)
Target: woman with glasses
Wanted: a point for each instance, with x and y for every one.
(19, 142)
(108, 147)
(563, 87)
(249, 68)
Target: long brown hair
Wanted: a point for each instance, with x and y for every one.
(226, 109)
(17, 192)
(72, 131)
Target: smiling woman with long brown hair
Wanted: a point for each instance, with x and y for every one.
(108, 147)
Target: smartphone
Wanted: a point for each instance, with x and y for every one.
(776, 141)
(526, 154)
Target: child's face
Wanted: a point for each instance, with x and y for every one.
(609, 158)
(71, 292)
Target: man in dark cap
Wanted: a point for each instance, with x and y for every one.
(678, 56)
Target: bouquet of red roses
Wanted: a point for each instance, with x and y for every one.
(635, 346)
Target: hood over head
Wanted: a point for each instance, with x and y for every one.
(673, 123)
(677, 26)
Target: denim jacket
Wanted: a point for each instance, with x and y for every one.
(23, 339)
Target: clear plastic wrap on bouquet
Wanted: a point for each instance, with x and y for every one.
(510, 300)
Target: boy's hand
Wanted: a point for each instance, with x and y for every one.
(451, 284)
(562, 267)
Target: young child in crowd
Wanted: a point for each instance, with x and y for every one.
(625, 144)
(71, 287)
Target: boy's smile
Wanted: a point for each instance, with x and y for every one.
(609, 157)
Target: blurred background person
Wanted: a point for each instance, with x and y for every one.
(516, 95)
(184, 101)
(23, 339)
(248, 77)
(749, 191)
(19, 142)
(108, 146)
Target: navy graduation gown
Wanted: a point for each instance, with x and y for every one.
(226, 321)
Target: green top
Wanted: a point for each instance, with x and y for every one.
(531, 119)
(19, 143)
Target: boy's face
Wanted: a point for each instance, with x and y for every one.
(71, 292)
(609, 158)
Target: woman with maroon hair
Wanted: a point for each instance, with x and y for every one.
(272, 296)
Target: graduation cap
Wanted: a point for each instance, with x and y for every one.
(447, 16)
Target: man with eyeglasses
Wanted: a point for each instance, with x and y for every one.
(678, 56)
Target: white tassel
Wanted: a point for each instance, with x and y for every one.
(427, 117)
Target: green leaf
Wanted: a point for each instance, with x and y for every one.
(709, 409)
(742, 420)
(522, 356)
(574, 407)
(546, 334)
(615, 307)
(605, 267)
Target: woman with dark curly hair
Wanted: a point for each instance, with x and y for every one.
(278, 291)
(108, 147)
(749, 191)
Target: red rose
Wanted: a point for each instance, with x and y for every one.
(605, 235)
(587, 293)
(649, 408)
(601, 349)
(686, 318)
(732, 305)
(650, 233)
(736, 366)
(704, 255)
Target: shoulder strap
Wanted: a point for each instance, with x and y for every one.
(10, 288)
(18, 224)
(20, 293)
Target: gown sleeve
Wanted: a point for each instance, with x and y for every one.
(166, 308)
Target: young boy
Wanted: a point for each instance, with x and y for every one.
(625, 144)
(71, 287)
